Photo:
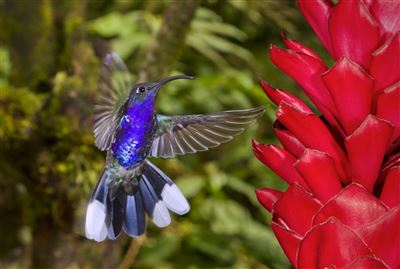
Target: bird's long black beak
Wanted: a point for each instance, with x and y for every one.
(165, 81)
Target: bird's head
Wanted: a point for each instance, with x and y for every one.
(144, 91)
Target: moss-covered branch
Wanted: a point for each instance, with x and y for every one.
(170, 40)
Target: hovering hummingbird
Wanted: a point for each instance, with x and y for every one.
(127, 126)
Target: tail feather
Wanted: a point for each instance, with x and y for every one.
(154, 172)
(100, 191)
(107, 215)
(166, 189)
(95, 226)
(153, 204)
(135, 221)
(115, 214)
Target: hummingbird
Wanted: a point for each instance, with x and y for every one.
(128, 128)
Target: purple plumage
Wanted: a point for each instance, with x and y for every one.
(135, 132)
(127, 126)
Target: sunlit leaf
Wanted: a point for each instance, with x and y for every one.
(152, 252)
(190, 185)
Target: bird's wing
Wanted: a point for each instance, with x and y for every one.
(114, 85)
(178, 135)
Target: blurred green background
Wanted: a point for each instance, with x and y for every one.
(50, 54)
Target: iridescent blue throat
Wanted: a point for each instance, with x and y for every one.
(135, 131)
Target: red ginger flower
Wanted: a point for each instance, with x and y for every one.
(342, 206)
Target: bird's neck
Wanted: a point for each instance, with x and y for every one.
(141, 106)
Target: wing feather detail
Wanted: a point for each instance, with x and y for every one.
(179, 135)
(114, 86)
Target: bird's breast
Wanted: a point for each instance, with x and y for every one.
(134, 135)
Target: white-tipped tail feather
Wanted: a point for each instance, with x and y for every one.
(107, 216)
(161, 216)
(95, 226)
(174, 199)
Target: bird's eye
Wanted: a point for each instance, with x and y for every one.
(141, 89)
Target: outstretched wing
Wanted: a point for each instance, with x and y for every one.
(114, 85)
(178, 135)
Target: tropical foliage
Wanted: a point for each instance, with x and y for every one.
(50, 56)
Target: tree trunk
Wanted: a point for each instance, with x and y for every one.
(169, 42)
(40, 35)
(28, 31)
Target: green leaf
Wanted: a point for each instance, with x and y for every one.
(156, 250)
(190, 185)
(244, 188)
(108, 25)
(220, 28)
(213, 246)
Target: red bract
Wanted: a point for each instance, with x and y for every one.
(342, 206)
